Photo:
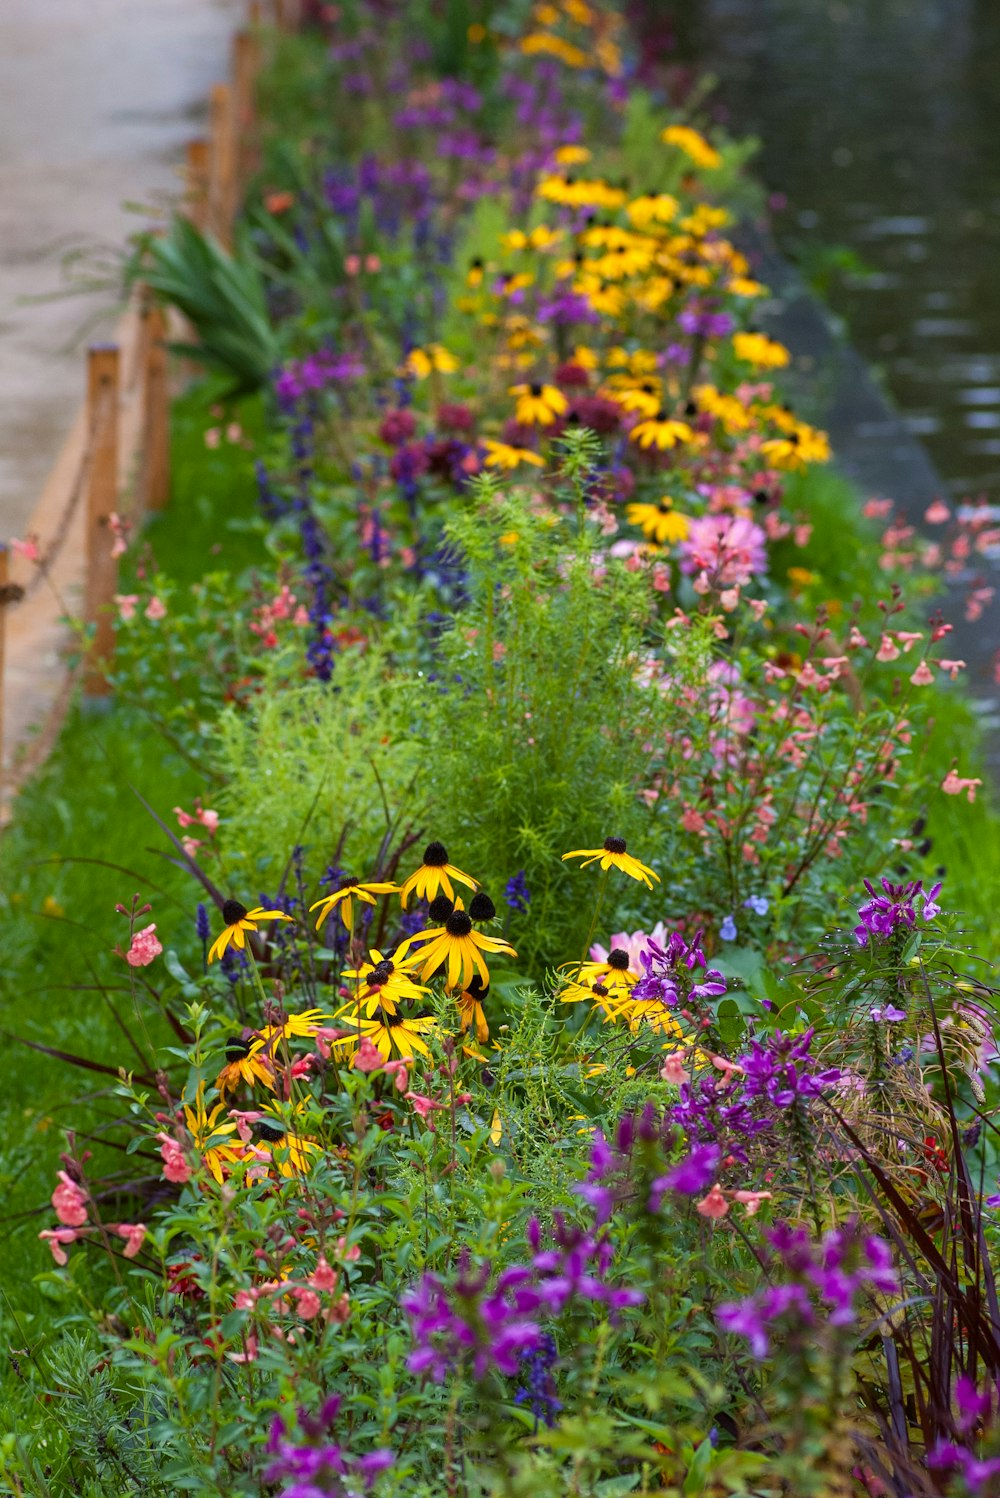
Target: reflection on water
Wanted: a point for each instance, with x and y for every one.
(880, 121)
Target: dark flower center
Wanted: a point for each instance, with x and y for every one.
(348, 882)
(536, 391)
(664, 508)
(237, 1048)
(265, 1129)
(435, 855)
(600, 990)
(458, 923)
(614, 845)
(233, 912)
(380, 973)
(481, 907)
(618, 959)
(477, 989)
(440, 908)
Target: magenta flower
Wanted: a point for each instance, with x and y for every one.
(728, 548)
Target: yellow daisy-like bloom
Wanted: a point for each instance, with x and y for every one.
(211, 1135)
(540, 238)
(500, 454)
(606, 985)
(614, 854)
(572, 155)
(459, 949)
(555, 46)
(420, 362)
(470, 1009)
(744, 286)
(301, 1026)
(651, 1012)
(405, 1036)
(760, 351)
(644, 398)
(239, 921)
(246, 1063)
(652, 208)
(383, 982)
(434, 877)
(585, 357)
(349, 890)
(794, 453)
(290, 1151)
(659, 522)
(661, 431)
(538, 405)
(694, 146)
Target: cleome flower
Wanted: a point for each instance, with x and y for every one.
(614, 854)
(239, 921)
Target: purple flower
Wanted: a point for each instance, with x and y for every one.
(781, 1070)
(893, 910)
(890, 1014)
(517, 894)
(757, 903)
(313, 1464)
(727, 931)
(693, 1174)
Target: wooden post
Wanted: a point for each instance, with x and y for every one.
(246, 65)
(197, 183)
(222, 165)
(155, 411)
(102, 501)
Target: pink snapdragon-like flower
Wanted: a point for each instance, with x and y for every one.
(713, 1205)
(954, 784)
(126, 605)
(730, 548)
(57, 1239)
(145, 947)
(175, 1163)
(155, 609)
(69, 1201)
(134, 1234)
(367, 1057)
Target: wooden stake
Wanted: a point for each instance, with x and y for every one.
(155, 412)
(246, 65)
(197, 183)
(102, 501)
(222, 165)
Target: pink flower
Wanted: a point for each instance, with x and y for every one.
(937, 513)
(175, 1165)
(133, 1233)
(714, 1204)
(307, 1303)
(119, 530)
(323, 1277)
(372, 264)
(126, 605)
(213, 437)
(70, 1202)
(156, 608)
(250, 1353)
(190, 845)
(145, 947)
(954, 784)
(55, 1238)
(672, 1070)
(28, 548)
(367, 1057)
(952, 667)
(923, 675)
(731, 547)
(751, 1200)
(887, 650)
(424, 1106)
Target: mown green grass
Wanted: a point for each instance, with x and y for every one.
(80, 843)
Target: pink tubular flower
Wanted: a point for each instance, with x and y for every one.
(145, 947)
(751, 1200)
(367, 1057)
(714, 1204)
(126, 605)
(133, 1233)
(56, 1238)
(175, 1164)
(307, 1303)
(155, 608)
(423, 1106)
(323, 1277)
(70, 1202)
(923, 675)
(673, 1071)
(954, 784)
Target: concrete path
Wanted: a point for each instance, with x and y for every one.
(97, 98)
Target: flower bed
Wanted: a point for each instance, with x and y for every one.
(566, 1074)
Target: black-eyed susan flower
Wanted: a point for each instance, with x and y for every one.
(384, 981)
(211, 1132)
(660, 522)
(606, 985)
(538, 405)
(434, 877)
(661, 431)
(760, 351)
(239, 921)
(695, 147)
(301, 1026)
(435, 358)
(470, 1008)
(247, 1063)
(349, 890)
(291, 1152)
(458, 949)
(504, 455)
(614, 855)
(404, 1035)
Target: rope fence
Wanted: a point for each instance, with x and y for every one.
(115, 465)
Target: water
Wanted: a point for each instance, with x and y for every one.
(880, 122)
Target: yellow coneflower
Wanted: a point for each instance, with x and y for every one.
(364, 890)
(434, 877)
(246, 1063)
(694, 146)
(239, 921)
(652, 208)
(661, 431)
(660, 522)
(210, 1134)
(301, 1026)
(604, 984)
(470, 1009)
(290, 1151)
(760, 351)
(405, 1036)
(644, 398)
(384, 981)
(503, 455)
(420, 362)
(614, 855)
(572, 155)
(538, 405)
(458, 948)
(474, 275)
